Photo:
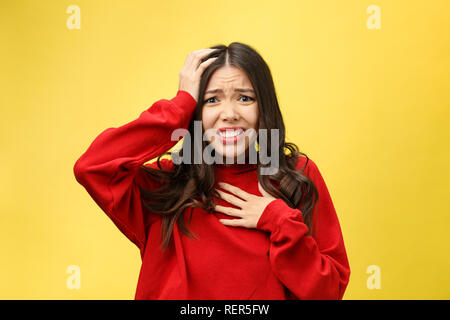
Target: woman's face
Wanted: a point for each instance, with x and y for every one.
(230, 109)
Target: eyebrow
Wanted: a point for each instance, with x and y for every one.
(236, 90)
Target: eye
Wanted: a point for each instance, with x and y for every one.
(249, 98)
(208, 100)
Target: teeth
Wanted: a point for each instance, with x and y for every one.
(230, 133)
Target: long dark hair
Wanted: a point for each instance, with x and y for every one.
(192, 185)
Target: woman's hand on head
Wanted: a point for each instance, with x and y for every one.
(192, 71)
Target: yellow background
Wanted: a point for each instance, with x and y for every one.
(370, 107)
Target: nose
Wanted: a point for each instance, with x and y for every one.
(228, 113)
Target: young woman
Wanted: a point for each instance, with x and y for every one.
(220, 230)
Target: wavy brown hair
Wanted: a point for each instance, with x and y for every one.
(192, 185)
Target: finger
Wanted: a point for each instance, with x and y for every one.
(231, 199)
(194, 57)
(233, 222)
(235, 190)
(205, 64)
(202, 57)
(229, 211)
(198, 55)
(204, 50)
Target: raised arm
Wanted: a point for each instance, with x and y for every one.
(108, 170)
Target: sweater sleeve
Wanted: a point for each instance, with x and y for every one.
(310, 267)
(109, 169)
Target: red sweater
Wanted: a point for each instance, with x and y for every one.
(275, 260)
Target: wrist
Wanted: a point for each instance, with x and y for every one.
(275, 213)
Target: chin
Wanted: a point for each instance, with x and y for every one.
(229, 152)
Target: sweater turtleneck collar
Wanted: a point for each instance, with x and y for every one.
(235, 168)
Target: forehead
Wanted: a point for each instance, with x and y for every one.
(229, 76)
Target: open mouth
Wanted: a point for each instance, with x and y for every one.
(230, 136)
